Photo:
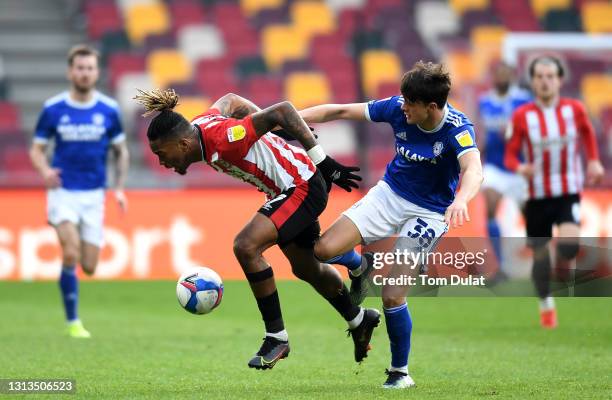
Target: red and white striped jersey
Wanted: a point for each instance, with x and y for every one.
(550, 139)
(266, 162)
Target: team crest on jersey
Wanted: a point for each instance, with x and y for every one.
(236, 133)
(65, 119)
(98, 119)
(464, 139)
(437, 148)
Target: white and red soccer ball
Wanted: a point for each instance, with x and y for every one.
(199, 290)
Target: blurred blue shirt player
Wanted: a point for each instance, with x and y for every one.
(84, 124)
(495, 108)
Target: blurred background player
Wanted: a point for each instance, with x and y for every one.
(495, 109)
(552, 128)
(296, 183)
(84, 124)
(416, 198)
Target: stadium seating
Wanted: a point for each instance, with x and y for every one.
(379, 66)
(486, 46)
(190, 107)
(203, 41)
(597, 92)
(314, 51)
(121, 63)
(252, 7)
(312, 17)
(462, 68)
(541, 7)
(9, 117)
(168, 66)
(215, 77)
(597, 17)
(146, 19)
(262, 90)
(281, 43)
(306, 89)
(567, 20)
(102, 17)
(516, 15)
(186, 13)
(462, 6)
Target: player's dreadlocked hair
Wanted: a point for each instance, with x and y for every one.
(167, 123)
(427, 83)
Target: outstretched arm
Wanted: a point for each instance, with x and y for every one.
(331, 112)
(471, 179)
(286, 116)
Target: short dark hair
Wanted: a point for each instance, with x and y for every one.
(427, 83)
(547, 59)
(82, 50)
(167, 123)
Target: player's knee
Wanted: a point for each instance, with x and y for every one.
(568, 250)
(323, 251)
(392, 301)
(89, 267)
(70, 255)
(245, 248)
(300, 272)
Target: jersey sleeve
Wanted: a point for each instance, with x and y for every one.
(586, 132)
(115, 131)
(229, 139)
(463, 140)
(382, 110)
(517, 132)
(44, 130)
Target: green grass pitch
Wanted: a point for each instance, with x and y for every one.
(145, 347)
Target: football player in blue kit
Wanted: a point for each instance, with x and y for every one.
(84, 124)
(495, 108)
(415, 200)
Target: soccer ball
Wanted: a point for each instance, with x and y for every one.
(199, 290)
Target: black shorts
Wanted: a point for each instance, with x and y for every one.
(295, 212)
(542, 214)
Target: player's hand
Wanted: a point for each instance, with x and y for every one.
(343, 176)
(595, 172)
(52, 178)
(526, 170)
(456, 213)
(121, 200)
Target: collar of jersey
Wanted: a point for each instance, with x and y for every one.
(440, 125)
(76, 104)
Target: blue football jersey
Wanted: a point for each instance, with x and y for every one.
(425, 169)
(495, 113)
(82, 134)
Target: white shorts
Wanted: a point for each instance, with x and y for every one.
(506, 183)
(84, 208)
(381, 213)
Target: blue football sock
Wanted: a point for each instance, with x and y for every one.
(69, 286)
(494, 236)
(399, 329)
(351, 259)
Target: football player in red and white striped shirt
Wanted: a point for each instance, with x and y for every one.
(550, 132)
(296, 183)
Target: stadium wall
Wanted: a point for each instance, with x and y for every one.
(164, 232)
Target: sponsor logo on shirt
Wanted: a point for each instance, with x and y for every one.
(464, 139)
(401, 135)
(236, 133)
(412, 156)
(437, 148)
